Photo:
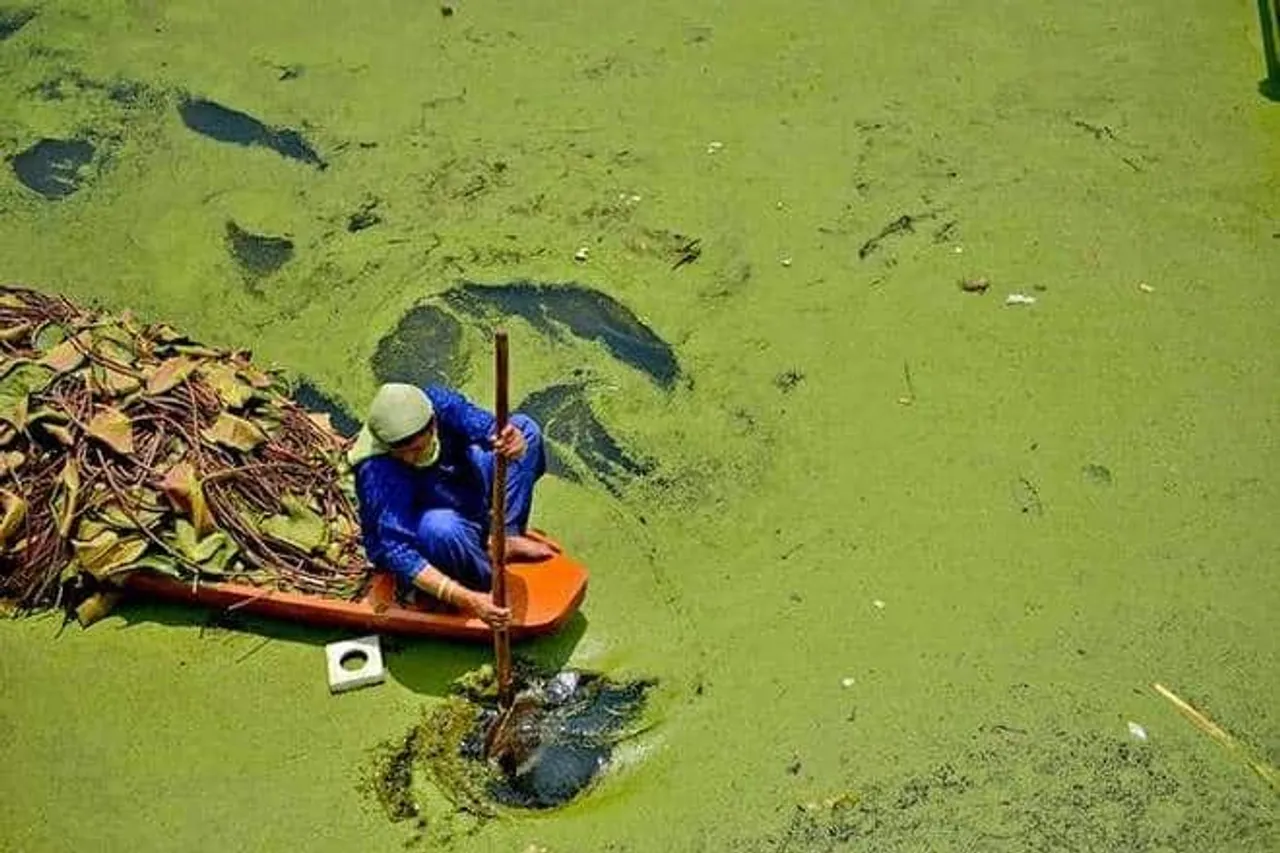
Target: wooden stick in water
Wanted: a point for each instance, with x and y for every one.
(1269, 774)
(497, 522)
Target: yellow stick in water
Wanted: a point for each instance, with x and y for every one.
(1268, 773)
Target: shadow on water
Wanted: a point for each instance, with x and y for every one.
(425, 348)
(1269, 23)
(51, 167)
(586, 313)
(227, 125)
(424, 665)
(311, 398)
(568, 420)
(12, 20)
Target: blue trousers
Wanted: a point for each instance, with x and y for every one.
(457, 545)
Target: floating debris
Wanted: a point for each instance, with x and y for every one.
(1019, 299)
(584, 312)
(905, 224)
(974, 285)
(258, 254)
(227, 125)
(1098, 474)
(1137, 731)
(366, 217)
(788, 380)
(51, 167)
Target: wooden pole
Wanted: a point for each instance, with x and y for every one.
(498, 525)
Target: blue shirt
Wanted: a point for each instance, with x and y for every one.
(392, 496)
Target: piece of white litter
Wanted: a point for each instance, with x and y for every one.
(1019, 299)
(1146, 288)
(1137, 731)
(847, 682)
(786, 262)
(878, 604)
(959, 250)
(582, 254)
(370, 672)
(713, 147)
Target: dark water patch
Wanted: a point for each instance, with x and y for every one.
(583, 311)
(425, 348)
(567, 419)
(12, 20)
(307, 395)
(51, 167)
(366, 216)
(258, 254)
(557, 737)
(224, 124)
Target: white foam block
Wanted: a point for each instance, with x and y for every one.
(373, 672)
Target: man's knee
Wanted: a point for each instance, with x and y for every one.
(442, 527)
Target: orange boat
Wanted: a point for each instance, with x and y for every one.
(543, 597)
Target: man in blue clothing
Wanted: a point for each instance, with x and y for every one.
(424, 463)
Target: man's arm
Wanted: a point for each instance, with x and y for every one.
(435, 582)
(459, 415)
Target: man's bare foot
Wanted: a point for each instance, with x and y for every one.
(524, 549)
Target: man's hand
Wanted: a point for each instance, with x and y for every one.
(510, 442)
(482, 605)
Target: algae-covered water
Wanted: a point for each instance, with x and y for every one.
(903, 560)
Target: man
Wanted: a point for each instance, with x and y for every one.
(424, 466)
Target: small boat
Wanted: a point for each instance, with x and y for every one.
(543, 597)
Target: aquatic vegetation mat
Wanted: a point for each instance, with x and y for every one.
(1037, 791)
(467, 761)
(127, 446)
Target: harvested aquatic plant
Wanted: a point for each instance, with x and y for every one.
(127, 446)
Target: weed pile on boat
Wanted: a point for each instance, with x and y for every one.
(467, 760)
(128, 446)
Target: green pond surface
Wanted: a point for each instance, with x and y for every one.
(904, 560)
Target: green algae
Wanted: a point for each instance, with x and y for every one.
(1079, 152)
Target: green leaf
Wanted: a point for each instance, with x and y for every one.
(11, 460)
(68, 355)
(108, 551)
(21, 381)
(9, 334)
(49, 336)
(67, 497)
(113, 428)
(236, 433)
(212, 553)
(301, 526)
(182, 487)
(15, 510)
(224, 379)
(162, 563)
(96, 607)
(169, 374)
